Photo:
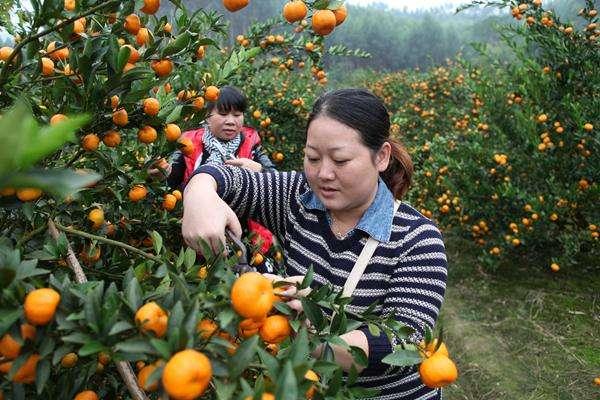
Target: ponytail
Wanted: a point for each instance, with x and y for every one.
(398, 175)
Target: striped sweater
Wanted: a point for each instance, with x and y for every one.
(407, 274)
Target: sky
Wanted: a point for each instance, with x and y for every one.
(410, 4)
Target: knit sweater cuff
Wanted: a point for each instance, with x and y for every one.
(215, 173)
(379, 347)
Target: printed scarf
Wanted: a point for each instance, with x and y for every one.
(219, 150)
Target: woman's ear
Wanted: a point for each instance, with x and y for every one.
(382, 158)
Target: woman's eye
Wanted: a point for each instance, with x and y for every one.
(312, 159)
(340, 162)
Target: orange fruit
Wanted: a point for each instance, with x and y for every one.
(134, 56)
(162, 67)
(111, 139)
(588, 127)
(323, 22)
(186, 146)
(10, 348)
(70, 5)
(168, 28)
(79, 25)
(29, 194)
(137, 193)
(7, 191)
(86, 395)
(311, 376)
(90, 259)
(103, 358)
(128, 66)
(120, 117)
(169, 202)
(177, 194)
(150, 6)
(172, 132)
(249, 327)
(340, 14)
(96, 216)
(40, 305)
(5, 52)
(142, 38)
(187, 375)
(56, 118)
(114, 102)
(257, 259)
(275, 329)
(151, 106)
(265, 396)
(90, 142)
(132, 24)
(47, 66)
(69, 360)
(151, 318)
(25, 374)
(294, 10)
(211, 93)
(147, 134)
(145, 373)
(554, 267)
(198, 103)
(62, 53)
(200, 51)
(252, 295)
(235, 5)
(438, 371)
(206, 328)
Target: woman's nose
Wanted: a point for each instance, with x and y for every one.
(326, 171)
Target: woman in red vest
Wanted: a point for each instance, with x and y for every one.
(223, 140)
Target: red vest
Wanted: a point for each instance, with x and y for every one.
(250, 139)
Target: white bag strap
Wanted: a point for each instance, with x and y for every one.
(362, 261)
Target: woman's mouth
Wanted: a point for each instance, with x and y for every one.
(328, 191)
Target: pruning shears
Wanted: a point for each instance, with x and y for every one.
(242, 266)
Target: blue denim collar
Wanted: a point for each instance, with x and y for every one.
(376, 221)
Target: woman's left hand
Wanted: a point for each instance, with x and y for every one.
(245, 163)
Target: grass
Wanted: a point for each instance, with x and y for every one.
(520, 332)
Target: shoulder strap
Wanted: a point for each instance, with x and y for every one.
(362, 261)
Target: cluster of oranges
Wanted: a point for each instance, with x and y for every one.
(39, 308)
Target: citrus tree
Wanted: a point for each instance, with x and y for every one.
(506, 153)
(94, 276)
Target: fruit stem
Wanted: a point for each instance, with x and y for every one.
(110, 242)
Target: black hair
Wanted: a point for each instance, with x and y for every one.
(230, 99)
(364, 112)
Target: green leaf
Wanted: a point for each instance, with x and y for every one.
(269, 361)
(42, 373)
(287, 385)
(177, 45)
(190, 258)
(122, 58)
(299, 351)
(243, 356)
(313, 313)
(119, 327)
(133, 294)
(60, 183)
(7, 318)
(135, 346)
(27, 142)
(374, 329)
(157, 241)
(402, 358)
(175, 114)
(161, 347)
(308, 278)
(91, 347)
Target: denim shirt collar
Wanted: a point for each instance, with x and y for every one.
(377, 219)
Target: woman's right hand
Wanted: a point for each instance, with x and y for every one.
(205, 215)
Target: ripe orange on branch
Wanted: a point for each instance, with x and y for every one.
(147, 134)
(211, 93)
(438, 371)
(120, 117)
(252, 295)
(340, 14)
(162, 67)
(152, 318)
(235, 5)
(86, 395)
(132, 24)
(137, 193)
(294, 10)
(40, 305)
(172, 132)
(187, 375)
(323, 22)
(275, 329)
(111, 139)
(151, 106)
(90, 142)
(150, 6)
